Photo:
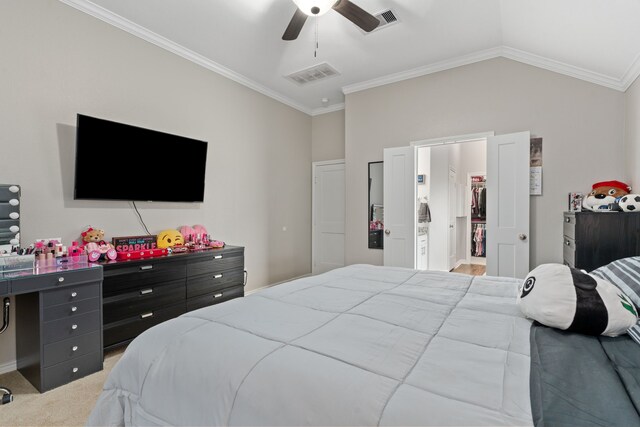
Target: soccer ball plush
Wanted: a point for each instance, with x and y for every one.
(566, 298)
(630, 203)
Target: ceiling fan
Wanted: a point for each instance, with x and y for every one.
(306, 8)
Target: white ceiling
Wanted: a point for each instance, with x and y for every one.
(595, 40)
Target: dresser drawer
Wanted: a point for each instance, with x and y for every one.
(63, 329)
(71, 309)
(216, 262)
(63, 373)
(142, 274)
(569, 227)
(215, 298)
(21, 285)
(70, 294)
(569, 251)
(213, 282)
(62, 351)
(148, 298)
(125, 330)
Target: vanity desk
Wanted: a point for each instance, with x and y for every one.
(58, 322)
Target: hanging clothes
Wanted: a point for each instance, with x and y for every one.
(474, 202)
(478, 240)
(424, 213)
(482, 203)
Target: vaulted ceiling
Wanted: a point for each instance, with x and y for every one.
(594, 40)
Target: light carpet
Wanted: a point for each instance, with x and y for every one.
(68, 405)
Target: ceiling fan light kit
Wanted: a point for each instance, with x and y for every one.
(306, 8)
(314, 7)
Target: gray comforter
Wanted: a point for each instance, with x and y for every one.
(361, 345)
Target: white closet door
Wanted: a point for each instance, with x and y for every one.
(328, 217)
(508, 205)
(400, 176)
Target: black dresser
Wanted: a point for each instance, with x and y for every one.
(58, 324)
(594, 239)
(139, 294)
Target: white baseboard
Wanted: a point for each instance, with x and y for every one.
(277, 283)
(8, 367)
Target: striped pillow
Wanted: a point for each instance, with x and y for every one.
(625, 274)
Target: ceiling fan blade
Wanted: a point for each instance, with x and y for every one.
(357, 15)
(295, 26)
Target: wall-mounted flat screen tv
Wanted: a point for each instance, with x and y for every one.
(115, 161)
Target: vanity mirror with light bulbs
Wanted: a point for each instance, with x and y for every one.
(9, 217)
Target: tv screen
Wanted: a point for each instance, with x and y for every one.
(115, 161)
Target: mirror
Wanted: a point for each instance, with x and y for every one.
(376, 205)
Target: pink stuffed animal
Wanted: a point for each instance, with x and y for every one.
(95, 245)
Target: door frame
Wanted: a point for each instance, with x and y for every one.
(452, 198)
(314, 169)
(470, 137)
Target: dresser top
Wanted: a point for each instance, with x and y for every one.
(173, 257)
(43, 271)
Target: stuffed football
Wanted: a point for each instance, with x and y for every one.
(630, 203)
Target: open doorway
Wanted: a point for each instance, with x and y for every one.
(454, 238)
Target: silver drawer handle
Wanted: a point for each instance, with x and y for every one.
(74, 348)
(217, 296)
(60, 279)
(568, 243)
(74, 309)
(146, 267)
(217, 257)
(144, 316)
(74, 294)
(146, 291)
(568, 219)
(75, 370)
(217, 276)
(74, 327)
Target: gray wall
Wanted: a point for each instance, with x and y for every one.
(632, 136)
(56, 61)
(327, 136)
(582, 125)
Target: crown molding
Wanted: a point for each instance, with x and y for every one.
(448, 64)
(562, 68)
(327, 110)
(633, 72)
(510, 53)
(118, 21)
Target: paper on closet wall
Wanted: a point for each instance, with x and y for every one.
(535, 181)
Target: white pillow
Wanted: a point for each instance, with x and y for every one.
(568, 299)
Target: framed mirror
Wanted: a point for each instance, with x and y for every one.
(375, 206)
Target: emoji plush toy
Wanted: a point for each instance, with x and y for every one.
(169, 238)
(95, 245)
(566, 298)
(603, 194)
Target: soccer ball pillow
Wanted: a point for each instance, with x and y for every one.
(630, 203)
(566, 298)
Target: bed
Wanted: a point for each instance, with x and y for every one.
(361, 345)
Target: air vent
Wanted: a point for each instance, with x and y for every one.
(313, 74)
(386, 18)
